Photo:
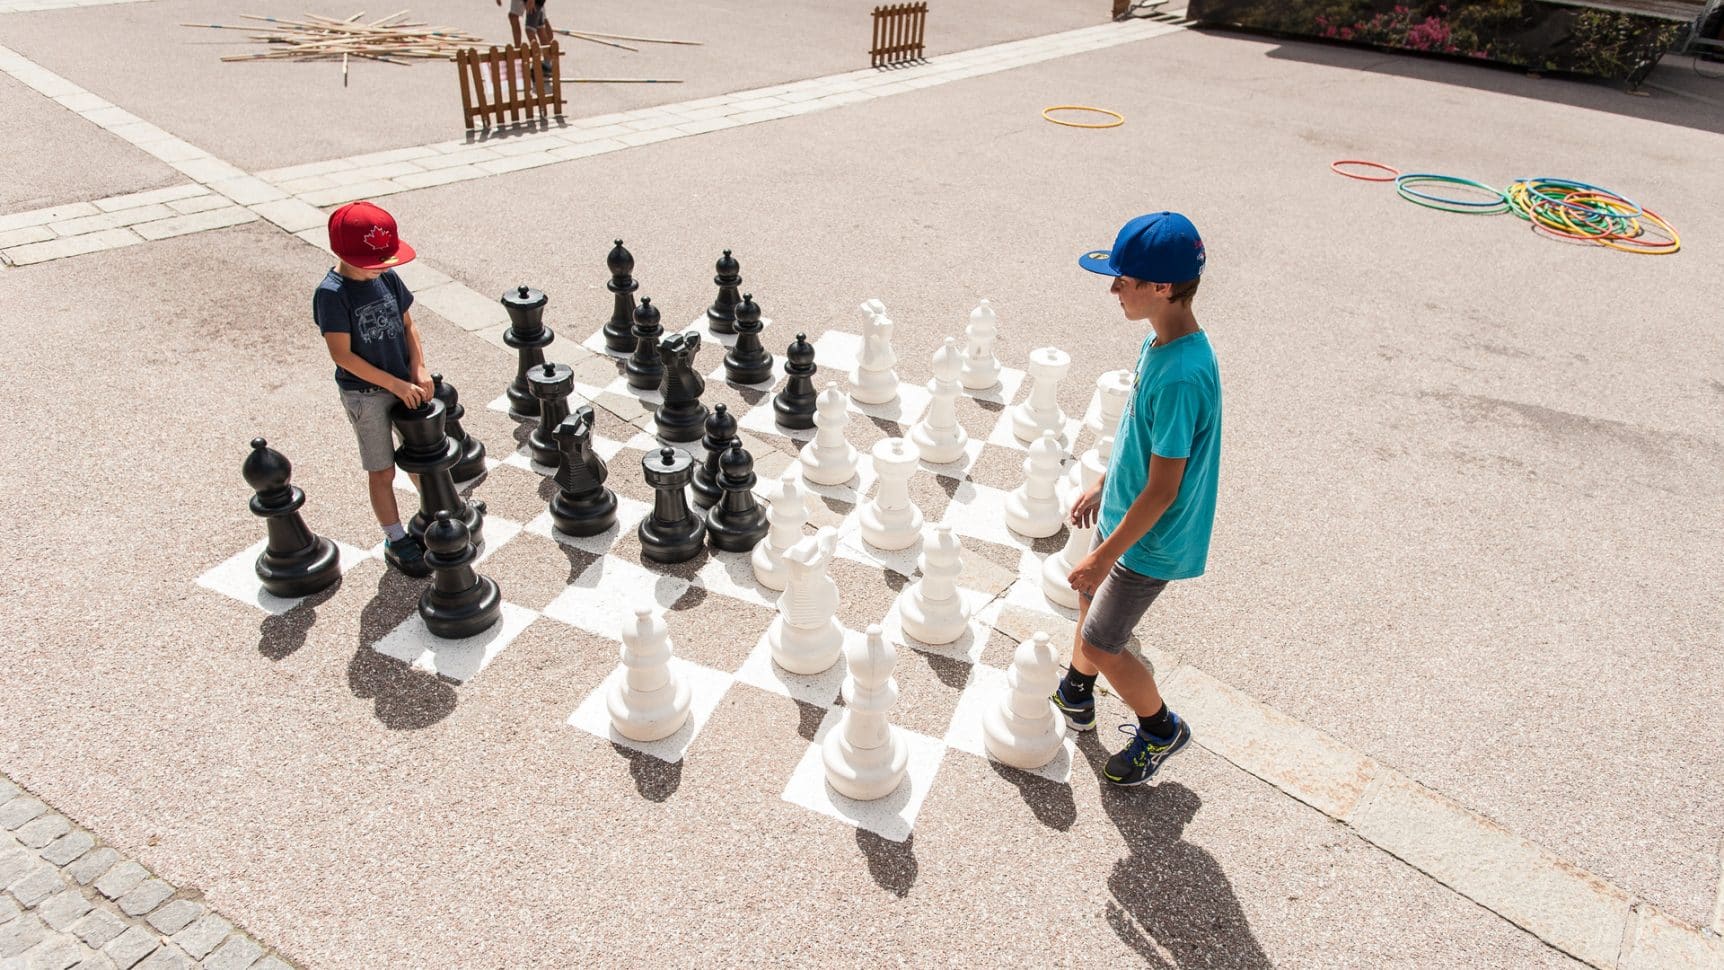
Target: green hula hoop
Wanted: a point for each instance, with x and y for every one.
(1498, 203)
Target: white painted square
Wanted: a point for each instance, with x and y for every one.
(1010, 380)
(706, 688)
(986, 688)
(237, 577)
(967, 647)
(596, 344)
(853, 547)
(1027, 591)
(603, 596)
(732, 574)
(700, 324)
(629, 515)
(959, 469)
(760, 421)
(459, 660)
(979, 511)
(495, 531)
(853, 492)
(822, 688)
(892, 817)
(1001, 434)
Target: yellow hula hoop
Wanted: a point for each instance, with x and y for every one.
(1118, 119)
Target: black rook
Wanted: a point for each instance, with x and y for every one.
(672, 532)
(428, 452)
(528, 334)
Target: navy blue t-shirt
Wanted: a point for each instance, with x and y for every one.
(369, 311)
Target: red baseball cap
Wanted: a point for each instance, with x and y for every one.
(363, 235)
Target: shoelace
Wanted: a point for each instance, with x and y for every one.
(1138, 748)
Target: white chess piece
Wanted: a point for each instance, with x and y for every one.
(1041, 410)
(981, 367)
(1024, 730)
(829, 459)
(931, 610)
(938, 436)
(649, 701)
(785, 514)
(1033, 510)
(1108, 405)
(864, 755)
(805, 636)
(890, 520)
(1058, 566)
(874, 381)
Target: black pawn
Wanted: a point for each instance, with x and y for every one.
(528, 334)
(459, 603)
(720, 435)
(583, 506)
(619, 335)
(428, 452)
(551, 385)
(681, 416)
(472, 463)
(722, 314)
(295, 561)
(793, 407)
(748, 362)
(672, 532)
(644, 366)
(737, 522)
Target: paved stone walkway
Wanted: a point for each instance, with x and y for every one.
(71, 902)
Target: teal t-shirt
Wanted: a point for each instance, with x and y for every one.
(1174, 410)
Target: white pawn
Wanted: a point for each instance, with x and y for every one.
(805, 636)
(1034, 509)
(1058, 566)
(874, 381)
(891, 520)
(1108, 404)
(649, 701)
(931, 610)
(938, 436)
(786, 514)
(981, 367)
(829, 459)
(1041, 410)
(1024, 730)
(866, 757)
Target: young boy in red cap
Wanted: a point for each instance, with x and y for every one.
(361, 308)
(1155, 506)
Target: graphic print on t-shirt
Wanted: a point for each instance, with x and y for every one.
(377, 321)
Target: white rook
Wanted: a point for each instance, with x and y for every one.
(931, 610)
(829, 459)
(649, 701)
(805, 637)
(1034, 509)
(874, 381)
(1024, 730)
(939, 436)
(891, 520)
(981, 367)
(1041, 410)
(785, 515)
(864, 755)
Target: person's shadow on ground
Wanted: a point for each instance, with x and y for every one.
(1172, 902)
(404, 699)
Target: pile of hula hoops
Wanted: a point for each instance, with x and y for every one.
(1559, 208)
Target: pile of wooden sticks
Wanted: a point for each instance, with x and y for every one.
(316, 38)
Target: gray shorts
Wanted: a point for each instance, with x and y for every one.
(368, 411)
(1118, 605)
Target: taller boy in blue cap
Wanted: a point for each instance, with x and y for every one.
(1156, 503)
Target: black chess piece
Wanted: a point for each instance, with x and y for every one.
(459, 603)
(551, 385)
(528, 334)
(721, 316)
(672, 532)
(644, 368)
(720, 432)
(793, 407)
(737, 523)
(472, 463)
(619, 332)
(295, 561)
(681, 416)
(428, 452)
(583, 506)
(748, 362)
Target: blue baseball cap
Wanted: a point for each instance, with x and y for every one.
(1162, 247)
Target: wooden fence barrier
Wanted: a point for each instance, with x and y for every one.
(510, 85)
(898, 31)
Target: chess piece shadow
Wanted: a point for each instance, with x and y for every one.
(655, 780)
(1170, 896)
(892, 864)
(952, 672)
(403, 699)
(280, 634)
(1050, 802)
(809, 717)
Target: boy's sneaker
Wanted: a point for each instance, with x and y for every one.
(1080, 715)
(407, 555)
(1143, 755)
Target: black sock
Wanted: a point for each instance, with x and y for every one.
(1078, 686)
(1158, 725)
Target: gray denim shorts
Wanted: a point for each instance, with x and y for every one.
(1118, 605)
(368, 411)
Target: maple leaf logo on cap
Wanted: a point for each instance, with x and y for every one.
(379, 238)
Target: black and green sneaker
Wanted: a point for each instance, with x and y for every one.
(1080, 715)
(1143, 755)
(407, 555)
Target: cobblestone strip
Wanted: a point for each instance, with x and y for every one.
(69, 902)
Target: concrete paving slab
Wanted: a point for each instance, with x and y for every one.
(85, 162)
